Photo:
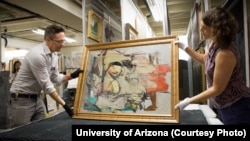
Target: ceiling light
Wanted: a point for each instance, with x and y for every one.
(156, 8)
(38, 31)
(70, 40)
(41, 32)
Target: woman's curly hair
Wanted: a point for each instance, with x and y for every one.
(224, 26)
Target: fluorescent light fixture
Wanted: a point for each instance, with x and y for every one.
(70, 40)
(38, 31)
(156, 8)
(41, 32)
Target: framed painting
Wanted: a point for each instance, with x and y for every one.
(131, 80)
(94, 26)
(131, 32)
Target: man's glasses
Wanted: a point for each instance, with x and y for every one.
(59, 41)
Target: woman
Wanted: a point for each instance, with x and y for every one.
(3, 66)
(226, 88)
(16, 67)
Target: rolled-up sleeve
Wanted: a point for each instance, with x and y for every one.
(56, 77)
(44, 66)
(39, 68)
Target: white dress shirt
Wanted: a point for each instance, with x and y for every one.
(38, 72)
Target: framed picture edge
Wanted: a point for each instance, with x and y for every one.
(130, 30)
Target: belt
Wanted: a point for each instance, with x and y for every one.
(18, 95)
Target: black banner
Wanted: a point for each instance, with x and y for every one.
(210, 132)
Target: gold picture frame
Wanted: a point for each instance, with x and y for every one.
(131, 80)
(94, 26)
(131, 32)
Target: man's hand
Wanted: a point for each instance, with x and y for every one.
(68, 110)
(76, 73)
(181, 105)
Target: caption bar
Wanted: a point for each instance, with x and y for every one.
(173, 132)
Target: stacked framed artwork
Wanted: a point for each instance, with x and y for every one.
(131, 80)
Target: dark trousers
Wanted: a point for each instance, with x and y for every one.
(236, 114)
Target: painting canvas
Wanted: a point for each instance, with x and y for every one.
(132, 80)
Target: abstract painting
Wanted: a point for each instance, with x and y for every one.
(132, 80)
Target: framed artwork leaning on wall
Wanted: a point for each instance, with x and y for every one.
(131, 32)
(95, 25)
(132, 80)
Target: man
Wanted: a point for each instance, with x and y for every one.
(38, 73)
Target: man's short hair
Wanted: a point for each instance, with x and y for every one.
(51, 30)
